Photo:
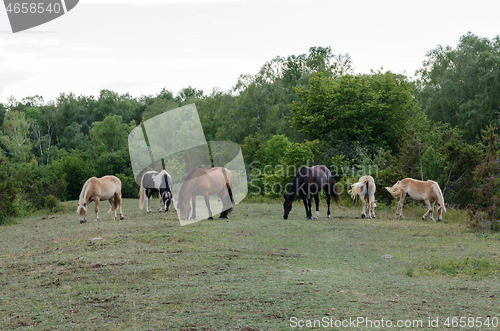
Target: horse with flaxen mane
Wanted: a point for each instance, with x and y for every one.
(100, 189)
(365, 189)
(205, 182)
(308, 182)
(152, 182)
(428, 191)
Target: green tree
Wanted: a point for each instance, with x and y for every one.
(374, 108)
(16, 131)
(110, 134)
(8, 192)
(485, 205)
(461, 86)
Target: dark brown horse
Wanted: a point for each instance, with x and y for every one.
(205, 182)
(308, 183)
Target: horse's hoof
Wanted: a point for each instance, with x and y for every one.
(211, 218)
(84, 221)
(308, 219)
(121, 217)
(363, 215)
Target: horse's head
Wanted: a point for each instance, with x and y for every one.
(166, 197)
(441, 210)
(82, 211)
(184, 208)
(287, 205)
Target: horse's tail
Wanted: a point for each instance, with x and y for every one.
(142, 195)
(333, 189)
(356, 188)
(395, 190)
(230, 193)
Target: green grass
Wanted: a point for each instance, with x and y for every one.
(252, 272)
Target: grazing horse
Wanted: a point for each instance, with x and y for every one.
(365, 188)
(205, 182)
(152, 182)
(100, 189)
(428, 191)
(308, 182)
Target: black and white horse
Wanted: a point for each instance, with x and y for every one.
(308, 183)
(152, 182)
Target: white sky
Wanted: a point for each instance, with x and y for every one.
(142, 46)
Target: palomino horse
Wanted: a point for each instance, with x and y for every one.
(428, 191)
(308, 182)
(205, 182)
(152, 182)
(100, 189)
(365, 188)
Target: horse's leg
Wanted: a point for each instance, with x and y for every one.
(112, 203)
(304, 199)
(316, 201)
(173, 202)
(399, 209)
(309, 210)
(207, 203)
(118, 203)
(371, 206)
(193, 215)
(328, 203)
(97, 208)
(161, 203)
(363, 214)
(430, 208)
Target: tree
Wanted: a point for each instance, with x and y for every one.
(16, 130)
(374, 108)
(110, 134)
(8, 192)
(487, 194)
(461, 86)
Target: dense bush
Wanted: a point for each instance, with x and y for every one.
(8, 193)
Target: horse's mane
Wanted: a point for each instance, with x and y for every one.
(85, 189)
(439, 194)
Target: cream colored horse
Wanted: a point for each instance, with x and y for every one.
(205, 182)
(100, 189)
(428, 191)
(365, 189)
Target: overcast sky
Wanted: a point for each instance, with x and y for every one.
(142, 46)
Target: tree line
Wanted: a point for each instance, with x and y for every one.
(296, 110)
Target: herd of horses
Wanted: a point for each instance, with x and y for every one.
(308, 183)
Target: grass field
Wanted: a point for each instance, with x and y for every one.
(255, 271)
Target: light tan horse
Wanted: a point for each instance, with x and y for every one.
(428, 191)
(365, 189)
(100, 189)
(205, 182)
